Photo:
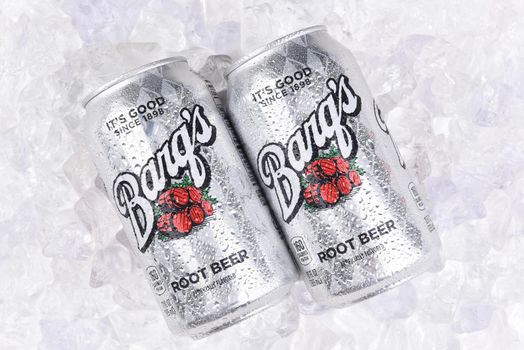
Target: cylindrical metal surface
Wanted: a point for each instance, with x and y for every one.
(187, 201)
(335, 179)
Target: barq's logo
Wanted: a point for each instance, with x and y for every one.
(135, 195)
(280, 167)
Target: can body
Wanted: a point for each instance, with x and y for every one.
(187, 201)
(335, 179)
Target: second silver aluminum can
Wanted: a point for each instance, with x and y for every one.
(348, 206)
(186, 199)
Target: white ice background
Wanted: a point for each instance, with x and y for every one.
(449, 76)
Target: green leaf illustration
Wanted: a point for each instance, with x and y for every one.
(186, 181)
(304, 183)
(157, 211)
(162, 236)
(207, 197)
(330, 153)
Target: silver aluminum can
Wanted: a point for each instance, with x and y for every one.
(350, 211)
(187, 201)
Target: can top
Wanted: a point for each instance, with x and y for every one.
(272, 45)
(131, 74)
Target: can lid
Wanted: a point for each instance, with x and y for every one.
(131, 74)
(272, 45)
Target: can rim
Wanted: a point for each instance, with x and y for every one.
(129, 74)
(272, 44)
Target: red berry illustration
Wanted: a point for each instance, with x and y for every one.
(329, 193)
(196, 214)
(355, 178)
(173, 199)
(163, 223)
(342, 165)
(163, 199)
(180, 197)
(182, 222)
(208, 208)
(311, 195)
(343, 185)
(328, 178)
(324, 168)
(194, 195)
(310, 168)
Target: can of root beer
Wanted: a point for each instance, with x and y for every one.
(350, 211)
(188, 202)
